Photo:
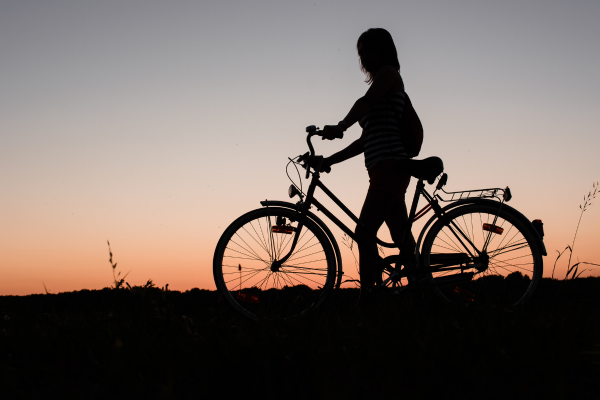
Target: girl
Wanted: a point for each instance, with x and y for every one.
(379, 113)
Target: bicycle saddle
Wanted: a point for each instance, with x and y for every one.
(427, 169)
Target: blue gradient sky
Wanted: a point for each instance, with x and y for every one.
(155, 124)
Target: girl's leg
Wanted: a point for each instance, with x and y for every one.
(395, 221)
(398, 215)
(375, 211)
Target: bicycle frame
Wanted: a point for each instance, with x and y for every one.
(310, 200)
(432, 204)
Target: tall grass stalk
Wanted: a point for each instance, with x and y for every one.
(118, 282)
(573, 269)
(349, 243)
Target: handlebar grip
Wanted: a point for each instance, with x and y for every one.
(335, 135)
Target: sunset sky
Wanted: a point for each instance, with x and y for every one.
(155, 124)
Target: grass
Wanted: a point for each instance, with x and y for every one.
(156, 343)
(573, 269)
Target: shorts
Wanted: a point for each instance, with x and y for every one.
(386, 177)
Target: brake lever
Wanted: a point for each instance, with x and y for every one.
(303, 157)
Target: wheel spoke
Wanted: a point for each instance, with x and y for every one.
(250, 249)
(497, 265)
(504, 250)
(249, 276)
(452, 245)
(260, 240)
(245, 258)
(300, 276)
(237, 269)
(304, 256)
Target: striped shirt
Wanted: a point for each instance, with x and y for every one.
(382, 140)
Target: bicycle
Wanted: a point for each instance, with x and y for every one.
(282, 260)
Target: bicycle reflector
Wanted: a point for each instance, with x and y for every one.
(283, 229)
(249, 298)
(464, 294)
(443, 180)
(493, 228)
(539, 226)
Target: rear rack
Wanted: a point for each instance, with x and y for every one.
(495, 193)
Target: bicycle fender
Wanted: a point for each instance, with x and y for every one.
(493, 203)
(321, 224)
(422, 234)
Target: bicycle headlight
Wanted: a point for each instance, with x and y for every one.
(293, 191)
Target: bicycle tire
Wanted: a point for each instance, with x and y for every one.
(514, 263)
(253, 289)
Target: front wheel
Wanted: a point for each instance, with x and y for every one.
(482, 254)
(247, 279)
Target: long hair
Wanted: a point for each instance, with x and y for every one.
(380, 41)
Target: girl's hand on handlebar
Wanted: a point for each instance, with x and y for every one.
(325, 165)
(331, 132)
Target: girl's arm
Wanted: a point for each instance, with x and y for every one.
(384, 80)
(354, 149)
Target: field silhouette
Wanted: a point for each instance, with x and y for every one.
(154, 343)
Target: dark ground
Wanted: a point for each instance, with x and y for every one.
(166, 344)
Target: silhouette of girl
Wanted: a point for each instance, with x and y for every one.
(378, 112)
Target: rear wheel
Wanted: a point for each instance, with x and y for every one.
(482, 255)
(249, 281)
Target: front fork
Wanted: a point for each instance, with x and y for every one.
(301, 212)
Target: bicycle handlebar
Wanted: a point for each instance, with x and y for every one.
(312, 131)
